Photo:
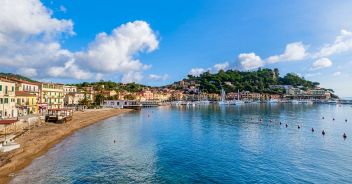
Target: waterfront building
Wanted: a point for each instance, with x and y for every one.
(26, 103)
(119, 104)
(7, 99)
(246, 95)
(51, 96)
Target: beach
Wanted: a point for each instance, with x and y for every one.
(38, 140)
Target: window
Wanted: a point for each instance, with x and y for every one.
(0, 87)
(1, 100)
(6, 101)
(12, 88)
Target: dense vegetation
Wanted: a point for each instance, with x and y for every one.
(254, 81)
(110, 85)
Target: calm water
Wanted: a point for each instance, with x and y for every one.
(205, 145)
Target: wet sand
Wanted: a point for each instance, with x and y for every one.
(39, 140)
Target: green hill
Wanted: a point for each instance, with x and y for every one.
(254, 81)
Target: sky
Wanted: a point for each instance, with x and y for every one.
(157, 42)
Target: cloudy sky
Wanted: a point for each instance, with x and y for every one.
(156, 42)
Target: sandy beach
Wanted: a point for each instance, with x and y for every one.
(40, 139)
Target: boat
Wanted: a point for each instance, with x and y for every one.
(305, 101)
(222, 100)
(273, 101)
(8, 144)
(59, 115)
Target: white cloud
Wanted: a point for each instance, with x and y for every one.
(28, 72)
(221, 66)
(69, 70)
(294, 52)
(250, 61)
(197, 71)
(343, 43)
(28, 18)
(336, 73)
(132, 76)
(321, 63)
(158, 77)
(30, 40)
(116, 52)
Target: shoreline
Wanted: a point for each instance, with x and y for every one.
(40, 139)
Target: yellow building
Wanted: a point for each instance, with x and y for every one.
(26, 103)
(51, 96)
(7, 99)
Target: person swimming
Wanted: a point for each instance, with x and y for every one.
(344, 136)
(286, 125)
(346, 120)
(333, 119)
(280, 123)
(312, 129)
(323, 117)
(298, 127)
(323, 132)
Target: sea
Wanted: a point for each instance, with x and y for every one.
(248, 143)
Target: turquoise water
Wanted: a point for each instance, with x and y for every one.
(205, 145)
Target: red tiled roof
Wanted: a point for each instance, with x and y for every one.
(23, 93)
(6, 80)
(7, 122)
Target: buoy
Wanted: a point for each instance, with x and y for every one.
(333, 119)
(280, 123)
(323, 132)
(346, 120)
(322, 117)
(344, 136)
(286, 125)
(312, 129)
(298, 127)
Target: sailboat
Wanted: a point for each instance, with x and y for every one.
(222, 100)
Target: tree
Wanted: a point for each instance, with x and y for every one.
(99, 98)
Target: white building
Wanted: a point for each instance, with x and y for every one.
(7, 99)
(119, 104)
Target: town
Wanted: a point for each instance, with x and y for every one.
(20, 97)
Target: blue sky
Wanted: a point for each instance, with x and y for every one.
(311, 38)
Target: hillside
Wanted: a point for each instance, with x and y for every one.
(254, 81)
